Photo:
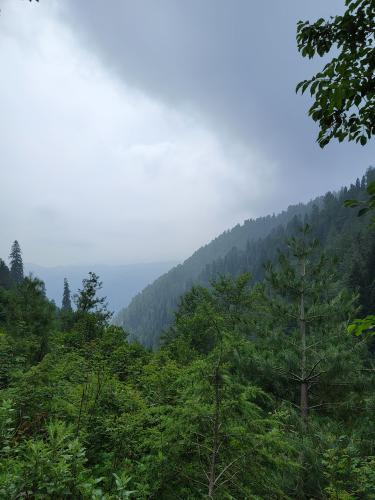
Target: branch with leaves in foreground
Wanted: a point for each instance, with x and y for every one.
(344, 90)
(367, 205)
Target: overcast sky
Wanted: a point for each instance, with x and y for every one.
(135, 131)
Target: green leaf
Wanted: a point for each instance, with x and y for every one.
(363, 211)
(351, 203)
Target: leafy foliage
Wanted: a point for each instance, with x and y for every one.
(360, 326)
(344, 91)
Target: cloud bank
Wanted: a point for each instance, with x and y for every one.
(137, 131)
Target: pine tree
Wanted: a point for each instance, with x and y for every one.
(308, 301)
(66, 301)
(310, 348)
(16, 264)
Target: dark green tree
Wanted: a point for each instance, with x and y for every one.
(315, 363)
(308, 302)
(66, 301)
(344, 91)
(92, 315)
(16, 264)
(5, 278)
(221, 407)
(30, 318)
(88, 301)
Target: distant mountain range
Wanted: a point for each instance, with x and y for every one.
(120, 283)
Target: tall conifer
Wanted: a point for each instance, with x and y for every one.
(307, 300)
(308, 338)
(66, 301)
(16, 264)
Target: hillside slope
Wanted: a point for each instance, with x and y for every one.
(151, 311)
(246, 248)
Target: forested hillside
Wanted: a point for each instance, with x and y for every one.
(246, 248)
(151, 311)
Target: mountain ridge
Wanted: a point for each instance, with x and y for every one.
(152, 309)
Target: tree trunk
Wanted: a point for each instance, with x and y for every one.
(304, 389)
(304, 404)
(216, 427)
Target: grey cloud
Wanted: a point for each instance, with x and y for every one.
(138, 131)
(84, 159)
(236, 63)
